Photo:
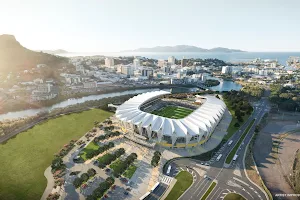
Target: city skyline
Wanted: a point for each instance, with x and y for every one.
(113, 26)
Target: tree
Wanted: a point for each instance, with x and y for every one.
(111, 144)
(57, 163)
(236, 124)
(77, 182)
(91, 172)
(91, 197)
(110, 180)
(84, 177)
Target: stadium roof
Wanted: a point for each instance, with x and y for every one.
(200, 122)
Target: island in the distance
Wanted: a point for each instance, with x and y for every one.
(57, 51)
(183, 48)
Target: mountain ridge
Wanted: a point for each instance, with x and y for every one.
(183, 48)
(15, 57)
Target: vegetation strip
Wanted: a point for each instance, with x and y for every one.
(184, 180)
(235, 148)
(209, 190)
(234, 196)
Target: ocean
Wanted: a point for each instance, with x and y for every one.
(281, 57)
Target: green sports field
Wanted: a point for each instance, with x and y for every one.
(173, 112)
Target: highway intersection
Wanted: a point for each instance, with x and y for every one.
(229, 177)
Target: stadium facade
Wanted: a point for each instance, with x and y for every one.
(190, 131)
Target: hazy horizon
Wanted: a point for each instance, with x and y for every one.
(114, 26)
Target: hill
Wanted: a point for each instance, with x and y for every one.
(183, 48)
(15, 57)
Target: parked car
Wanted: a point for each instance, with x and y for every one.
(124, 180)
(126, 193)
(107, 170)
(113, 187)
(96, 162)
(128, 189)
(82, 146)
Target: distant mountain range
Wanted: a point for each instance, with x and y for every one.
(57, 51)
(183, 48)
(15, 57)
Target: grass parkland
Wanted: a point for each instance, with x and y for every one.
(25, 157)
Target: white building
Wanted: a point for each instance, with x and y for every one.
(226, 70)
(161, 62)
(127, 70)
(79, 68)
(41, 65)
(192, 130)
(43, 92)
(147, 72)
(171, 60)
(90, 84)
(263, 72)
(109, 62)
(136, 63)
(38, 81)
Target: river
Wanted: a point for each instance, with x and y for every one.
(224, 86)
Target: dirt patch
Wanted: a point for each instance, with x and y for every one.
(270, 153)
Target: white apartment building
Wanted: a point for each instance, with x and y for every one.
(161, 62)
(109, 62)
(38, 81)
(127, 70)
(171, 60)
(226, 70)
(263, 72)
(136, 63)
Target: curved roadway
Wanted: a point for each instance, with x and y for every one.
(229, 178)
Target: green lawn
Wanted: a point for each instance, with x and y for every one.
(90, 147)
(209, 190)
(235, 148)
(173, 112)
(130, 171)
(25, 157)
(115, 164)
(233, 196)
(184, 180)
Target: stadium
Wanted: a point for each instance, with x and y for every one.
(171, 122)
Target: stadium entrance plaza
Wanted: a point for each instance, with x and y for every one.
(145, 176)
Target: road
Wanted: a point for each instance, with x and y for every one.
(229, 178)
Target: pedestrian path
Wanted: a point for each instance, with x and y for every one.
(166, 179)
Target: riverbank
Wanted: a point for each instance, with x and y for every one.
(25, 157)
(18, 105)
(66, 101)
(11, 128)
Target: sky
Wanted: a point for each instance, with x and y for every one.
(115, 25)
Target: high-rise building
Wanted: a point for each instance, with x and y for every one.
(147, 72)
(161, 62)
(127, 70)
(136, 63)
(183, 62)
(109, 62)
(171, 60)
(167, 69)
(226, 70)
